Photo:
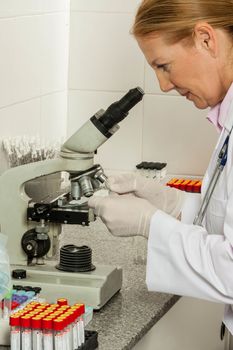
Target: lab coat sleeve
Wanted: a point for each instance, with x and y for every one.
(184, 259)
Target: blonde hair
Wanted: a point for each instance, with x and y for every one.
(177, 18)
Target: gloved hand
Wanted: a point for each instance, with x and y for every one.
(162, 197)
(124, 215)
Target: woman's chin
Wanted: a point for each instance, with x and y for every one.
(200, 104)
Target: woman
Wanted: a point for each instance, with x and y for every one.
(189, 44)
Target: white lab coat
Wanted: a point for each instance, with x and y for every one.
(196, 261)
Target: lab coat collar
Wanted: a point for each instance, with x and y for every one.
(213, 116)
(229, 120)
(220, 114)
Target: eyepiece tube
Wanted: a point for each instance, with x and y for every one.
(101, 126)
(130, 99)
(117, 111)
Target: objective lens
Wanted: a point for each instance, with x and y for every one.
(75, 190)
(86, 186)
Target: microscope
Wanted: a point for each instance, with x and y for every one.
(33, 227)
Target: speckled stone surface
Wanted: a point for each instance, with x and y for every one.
(126, 318)
(129, 315)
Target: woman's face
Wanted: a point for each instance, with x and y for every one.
(192, 70)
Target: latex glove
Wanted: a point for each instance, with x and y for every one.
(162, 197)
(124, 215)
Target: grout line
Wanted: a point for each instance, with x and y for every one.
(31, 99)
(96, 90)
(122, 91)
(103, 12)
(40, 13)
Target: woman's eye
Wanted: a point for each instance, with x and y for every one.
(163, 67)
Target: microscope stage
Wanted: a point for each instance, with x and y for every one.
(92, 288)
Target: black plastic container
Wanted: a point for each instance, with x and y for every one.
(91, 341)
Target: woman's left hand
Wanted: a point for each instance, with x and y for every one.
(124, 215)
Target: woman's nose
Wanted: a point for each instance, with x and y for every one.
(165, 84)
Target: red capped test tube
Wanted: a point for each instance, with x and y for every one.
(26, 332)
(62, 301)
(37, 333)
(81, 330)
(15, 332)
(47, 326)
(59, 340)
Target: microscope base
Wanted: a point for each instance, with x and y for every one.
(92, 288)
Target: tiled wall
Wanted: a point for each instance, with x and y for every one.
(34, 36)
(104, 63)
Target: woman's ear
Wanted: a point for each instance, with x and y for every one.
(205, 38)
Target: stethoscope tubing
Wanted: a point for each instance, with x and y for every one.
(208, 195)
(221, 162)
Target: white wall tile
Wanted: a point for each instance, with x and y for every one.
(103, 55)
(34, 62)
(82, 105)
(122, 150)
(174, 131)
(54, 116)
(20, 59)
(34, 56)
(54, 41)
(56, 5)
(105, 5)
(20, 119)
(13, 8)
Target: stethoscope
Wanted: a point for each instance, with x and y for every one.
(221, 162)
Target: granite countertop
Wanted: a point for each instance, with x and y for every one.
(129, 315)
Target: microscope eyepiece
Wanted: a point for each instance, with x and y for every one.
(117, 111)
(130, 100)
(101, 125)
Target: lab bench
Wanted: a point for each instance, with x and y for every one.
(131, 313)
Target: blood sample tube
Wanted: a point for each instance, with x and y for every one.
(70, 320)
(37, 291)
(37, 335)
(76, 330)
(76, 341)
(66, 340)
(59, 341)
(81, 322)
(15, 332)
(62, 301)
(26, 332)
(47, 327)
